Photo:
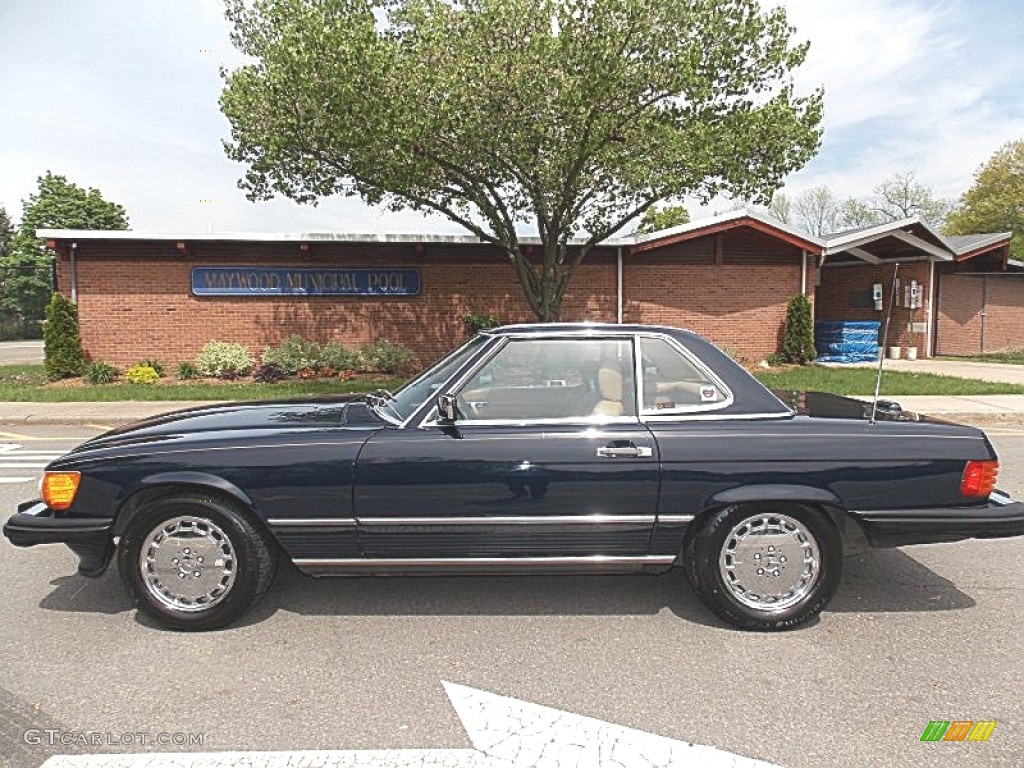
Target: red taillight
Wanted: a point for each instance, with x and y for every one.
(979, 478)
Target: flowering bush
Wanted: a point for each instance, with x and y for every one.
(141, 374)
(224, 360)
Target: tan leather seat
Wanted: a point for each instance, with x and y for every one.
(609, 385)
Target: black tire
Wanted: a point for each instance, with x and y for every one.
(245, 558)
(707, 561)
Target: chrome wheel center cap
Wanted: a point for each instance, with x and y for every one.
(188, 563)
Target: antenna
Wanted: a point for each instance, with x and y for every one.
(885, 344)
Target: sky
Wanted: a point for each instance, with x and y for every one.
(121, 95)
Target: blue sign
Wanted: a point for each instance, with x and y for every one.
(303, 281)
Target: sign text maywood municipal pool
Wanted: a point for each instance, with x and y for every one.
(293, 281)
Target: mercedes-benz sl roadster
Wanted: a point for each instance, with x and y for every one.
(529, 449)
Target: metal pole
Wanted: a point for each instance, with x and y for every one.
(885, 344)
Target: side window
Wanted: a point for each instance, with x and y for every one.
(672, 382)
(553, 379)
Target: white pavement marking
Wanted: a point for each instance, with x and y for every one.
(506, 733)
(10, 480)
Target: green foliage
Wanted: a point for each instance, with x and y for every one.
(224, 360)
(295, 354)
(657, 218)
(775, 359)
(338, 357)
(62, 347)
(798, 336)
(141, 374)
(187, 371)
(474, 323)
(576, 116)
(995, 202)
(27, 267)
(385, 357)
(156, 365)
(99, 372)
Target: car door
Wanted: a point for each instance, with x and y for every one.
(547, 459)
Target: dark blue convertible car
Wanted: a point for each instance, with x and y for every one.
(530, 449)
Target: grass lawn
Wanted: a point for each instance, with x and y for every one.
(861, 381)
(28, 383)
(1014, 357)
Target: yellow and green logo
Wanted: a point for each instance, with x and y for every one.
(958, 730)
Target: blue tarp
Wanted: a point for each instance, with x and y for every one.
(846, 341)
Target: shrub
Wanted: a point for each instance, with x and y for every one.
(99, 372)
(338, 357)
(187, 370)
(141, 374)
(385, 357)
(475, 323)
(156, 365)
(224, 360)
(798, 336)
(61, 343)
(775, 358)
(293, 354)
(268, 373)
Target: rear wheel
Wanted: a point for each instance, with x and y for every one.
(195, 562)
(764, 567)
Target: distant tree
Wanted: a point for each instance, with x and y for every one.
(902, 196)
(27, 266)
(816, 210)
(995, 202)
(855, 214)
(571, 116)
(657, 218)
(6, 232)
(781, 208)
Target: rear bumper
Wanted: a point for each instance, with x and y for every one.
(89, 538)
(1001, 517)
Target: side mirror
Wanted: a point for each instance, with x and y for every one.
(447, 412)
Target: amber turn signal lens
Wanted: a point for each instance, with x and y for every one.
(59, 489)
(979, 478)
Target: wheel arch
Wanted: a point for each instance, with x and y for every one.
(165, 484)
(809, 496)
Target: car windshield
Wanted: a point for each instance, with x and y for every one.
(411, 396)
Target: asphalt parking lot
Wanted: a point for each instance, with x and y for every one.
(914, 635)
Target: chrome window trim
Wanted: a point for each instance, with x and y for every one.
(441, 561)
(312, 522)
(595, 421)
(697, 363)
(683, 418)
(510, 520)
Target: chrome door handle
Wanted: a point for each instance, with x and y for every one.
(624, 451)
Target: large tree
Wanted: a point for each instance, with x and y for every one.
(659, 217)
(902, 196)
(26, 268)
(995, 202)
(572, 117)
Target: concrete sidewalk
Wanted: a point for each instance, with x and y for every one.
(985, 407)
(1003, 373)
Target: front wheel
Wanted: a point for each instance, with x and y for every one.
(764, 567)
(195, 562)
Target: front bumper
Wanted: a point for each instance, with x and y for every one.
(1001, 517)
(89, 538)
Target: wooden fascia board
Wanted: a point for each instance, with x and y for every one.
(725, 226)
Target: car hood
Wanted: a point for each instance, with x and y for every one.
(300, 413)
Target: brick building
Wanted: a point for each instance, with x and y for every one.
(728, 277)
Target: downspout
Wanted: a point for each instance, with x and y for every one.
(803, 272)
(931, 309)
(618, 285)
(74, 274)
